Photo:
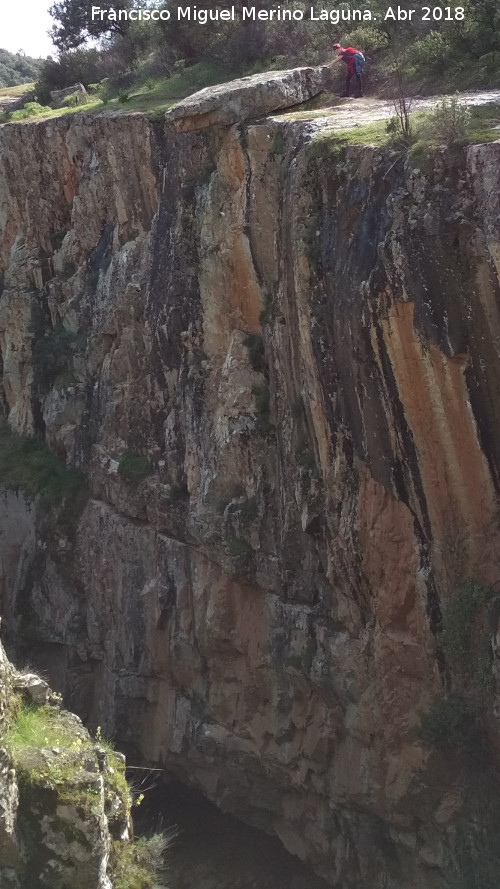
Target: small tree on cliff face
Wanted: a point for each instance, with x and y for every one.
(402, 106)
(74, 23)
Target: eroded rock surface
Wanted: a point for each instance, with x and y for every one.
(246, 98)
(302, 343)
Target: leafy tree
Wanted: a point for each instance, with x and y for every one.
(480, 30)
(79, 66)
(74, 24)
(17, 68)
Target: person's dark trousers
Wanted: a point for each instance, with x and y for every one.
(359, 81)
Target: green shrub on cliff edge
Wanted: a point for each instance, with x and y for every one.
(74, 100)
(30, 109)
(137, 865)
(28, 465)
(35, 726)
(448, 123)
(133, 865)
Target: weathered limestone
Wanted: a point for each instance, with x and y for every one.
(35, 689)
(303, 342)
(246, 98)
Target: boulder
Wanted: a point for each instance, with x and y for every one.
(35, 689)
(246, 98)
(78, 89)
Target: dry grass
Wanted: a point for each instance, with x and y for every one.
(23, 89)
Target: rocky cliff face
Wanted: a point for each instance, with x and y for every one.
(276, 363)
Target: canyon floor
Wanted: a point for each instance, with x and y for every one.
(210, 850)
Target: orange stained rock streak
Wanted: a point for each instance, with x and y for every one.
(230, 291)
(454, 471)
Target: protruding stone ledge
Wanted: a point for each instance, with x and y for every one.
(246, 98)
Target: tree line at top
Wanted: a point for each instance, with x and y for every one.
(465, 51)
(16, 68)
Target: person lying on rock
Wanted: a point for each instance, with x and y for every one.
(355, 62)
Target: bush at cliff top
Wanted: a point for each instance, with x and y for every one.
(447, 124)
(28, 465)
(31, 109)
(429, 52)
(40, 727)
(74, 100)
(33, 727)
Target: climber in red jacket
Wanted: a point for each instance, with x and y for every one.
(355, 62)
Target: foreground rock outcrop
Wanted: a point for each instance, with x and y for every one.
(246, 98)
(276, 362)
(60, 802)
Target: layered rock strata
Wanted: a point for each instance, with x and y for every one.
(296, 346)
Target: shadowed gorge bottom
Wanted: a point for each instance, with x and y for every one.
(215, 851)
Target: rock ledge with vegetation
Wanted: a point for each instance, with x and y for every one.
(246, 98)
(64, 800)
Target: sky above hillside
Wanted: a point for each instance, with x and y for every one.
(24, 25)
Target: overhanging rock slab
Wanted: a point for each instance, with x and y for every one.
(246, 98)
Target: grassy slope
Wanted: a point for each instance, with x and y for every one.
(41, 727)
(21, 89)
(161, 93)
(152, 97)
